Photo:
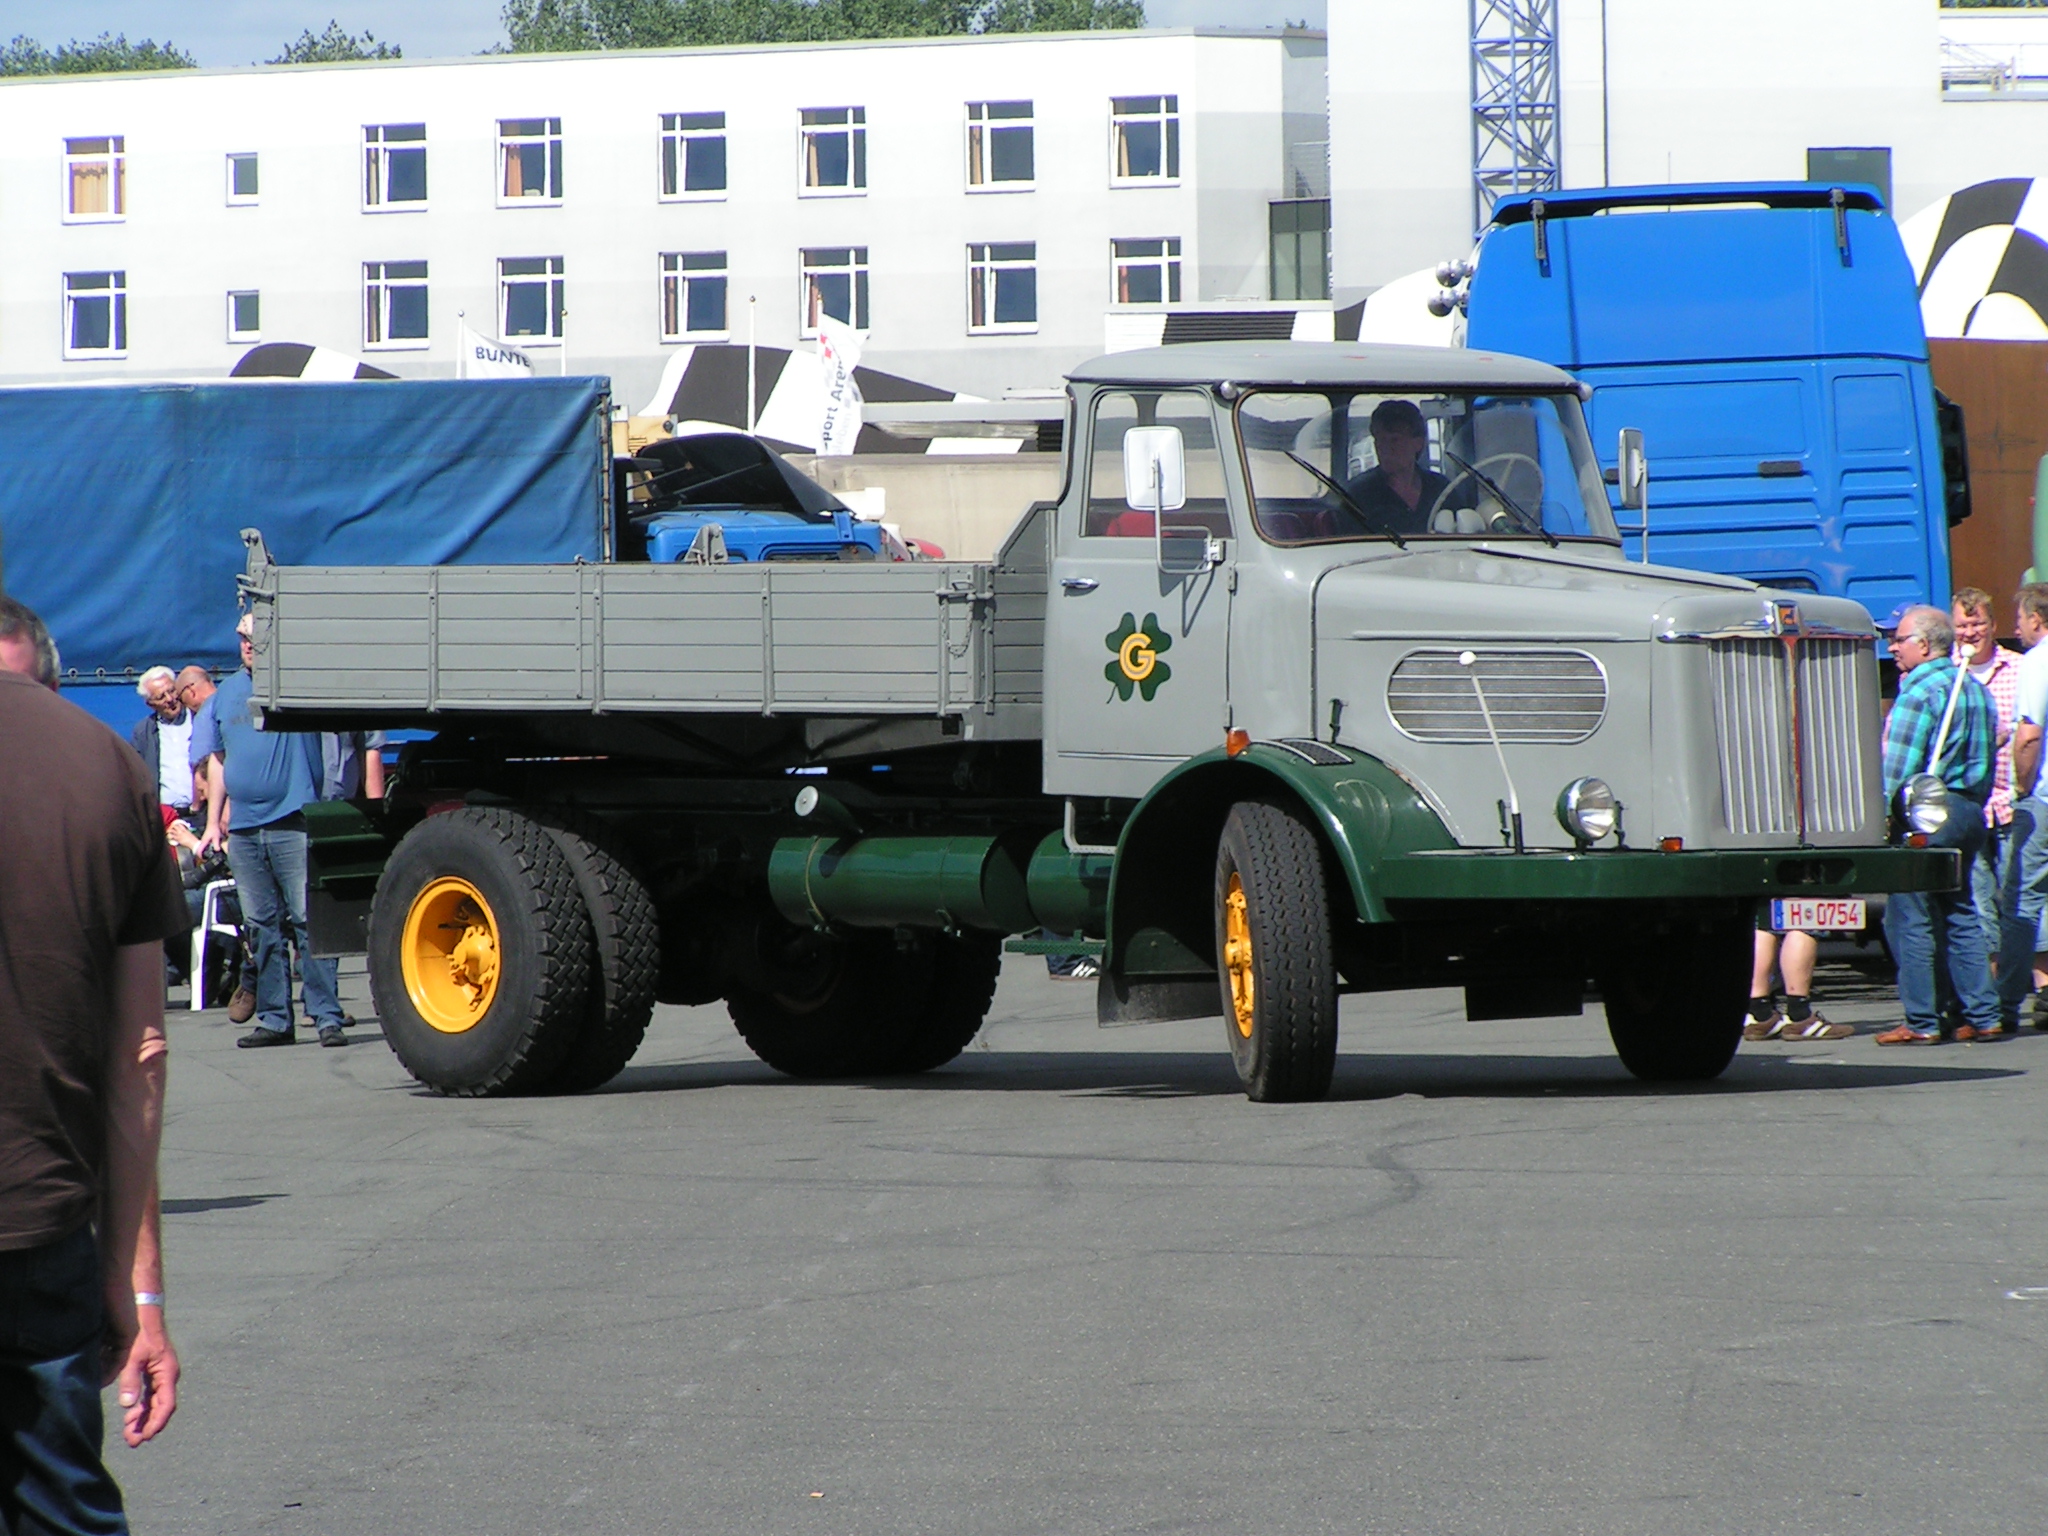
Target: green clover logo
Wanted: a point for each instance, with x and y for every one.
(1138, 650)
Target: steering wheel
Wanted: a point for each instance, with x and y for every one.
(1499, 477)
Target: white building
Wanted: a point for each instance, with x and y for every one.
(987, 208)
(1656, 91)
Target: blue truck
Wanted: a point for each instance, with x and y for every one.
(121, 507)
(1766, 339)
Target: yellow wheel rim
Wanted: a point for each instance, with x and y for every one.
(1237, 955)
(450, 955)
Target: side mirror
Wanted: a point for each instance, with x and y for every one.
(1635, 470)
(1155, 481)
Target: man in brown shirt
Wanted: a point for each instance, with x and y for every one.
(87, 896)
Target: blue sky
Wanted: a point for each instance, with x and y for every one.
(227, 32)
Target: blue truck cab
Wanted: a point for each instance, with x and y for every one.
(1766, 339)
(726, 497)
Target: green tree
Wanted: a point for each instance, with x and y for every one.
(334, 46)
(108, 53)
(563, 26)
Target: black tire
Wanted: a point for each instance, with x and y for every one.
(625, 958)
(821, 1005)
(1676, 990)
(961, 985)
(542, 952)
(1284, 1041)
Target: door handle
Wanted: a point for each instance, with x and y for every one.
(1079, 583)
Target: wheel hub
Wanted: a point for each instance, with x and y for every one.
(449, 955)
(1237, 954)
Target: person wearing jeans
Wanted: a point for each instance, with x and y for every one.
(260, 780)
(1942, 724)
(2025, 876)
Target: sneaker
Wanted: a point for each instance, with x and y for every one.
(242, 1006)
(259, 1037)
(332, 1036)
(1764, 1029)
(1963, 1034)
(1814, 1027)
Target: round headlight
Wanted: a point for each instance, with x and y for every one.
(1588, 810)
(1925, 802)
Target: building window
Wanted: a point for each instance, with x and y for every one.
(1299, 233)
(1873, 167)
(395, 167)
(999, 145)
(241, 179)
(95, 179)
(245, 316)
(1144, 138)
(692, 154)
(835, 283)
(96, 314)
(395, 304)
(529, 160)
(1147, 271)
(530, 298)
(835, 149)
(1002, 287)
(692, 294)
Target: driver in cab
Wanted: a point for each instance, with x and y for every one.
(1400, 491)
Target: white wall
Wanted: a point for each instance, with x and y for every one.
(304, 245)
(1735, 90)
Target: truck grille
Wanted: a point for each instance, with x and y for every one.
(1554, 697)
(1753, 725)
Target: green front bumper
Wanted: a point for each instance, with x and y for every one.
(1622, 875)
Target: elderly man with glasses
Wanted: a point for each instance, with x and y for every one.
(163, 737)
(1942, 724)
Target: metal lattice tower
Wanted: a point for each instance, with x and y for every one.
(1514, 101)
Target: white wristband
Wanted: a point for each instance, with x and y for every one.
(149, 1298)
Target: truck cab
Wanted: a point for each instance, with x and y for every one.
(1766, 339)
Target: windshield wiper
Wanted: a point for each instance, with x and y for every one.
(1364, 516)
(1520, 513)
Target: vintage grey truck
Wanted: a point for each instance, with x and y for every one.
(1324, 674)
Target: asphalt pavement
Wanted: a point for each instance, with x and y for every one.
(1075, 1284)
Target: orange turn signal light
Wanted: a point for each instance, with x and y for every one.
(1672, 845)
(1236, 742)
(1916, 839)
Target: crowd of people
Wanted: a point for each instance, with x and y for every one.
(1969, 715)
(233, 795)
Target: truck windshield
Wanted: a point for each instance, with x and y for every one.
(1337, 464)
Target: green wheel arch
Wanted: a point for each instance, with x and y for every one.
(1158, 916)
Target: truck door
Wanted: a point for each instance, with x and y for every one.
(1135, 655)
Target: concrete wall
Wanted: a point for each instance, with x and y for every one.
(303, 245)
(1737, 90)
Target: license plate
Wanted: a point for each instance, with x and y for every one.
(1817, 914)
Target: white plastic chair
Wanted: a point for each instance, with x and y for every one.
(209, 924)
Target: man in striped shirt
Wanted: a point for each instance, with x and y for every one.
(1944, 724)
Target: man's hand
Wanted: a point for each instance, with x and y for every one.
(148, 1378)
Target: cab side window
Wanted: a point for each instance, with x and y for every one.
(1109, 513)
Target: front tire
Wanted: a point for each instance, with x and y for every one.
(479, 953)
(1274, 954)
(1675, 991)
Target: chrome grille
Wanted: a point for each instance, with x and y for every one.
(1829, 706)
(1753, 727)
(1548, 696)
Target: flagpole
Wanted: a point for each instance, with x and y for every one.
(750, 365)
(461, 350)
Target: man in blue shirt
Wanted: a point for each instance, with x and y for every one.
(1943, 723)
(258, 783)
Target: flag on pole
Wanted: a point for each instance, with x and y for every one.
(483, 358)
(838, 355)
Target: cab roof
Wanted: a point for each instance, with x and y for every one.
(1318, 363)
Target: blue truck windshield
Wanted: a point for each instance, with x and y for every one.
(1339, 464)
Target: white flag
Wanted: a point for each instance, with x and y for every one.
(483, 358)
(838, 356)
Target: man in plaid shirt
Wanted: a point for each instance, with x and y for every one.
(1934, 931)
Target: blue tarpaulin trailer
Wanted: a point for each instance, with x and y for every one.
(1766, 338)
(121, 506)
